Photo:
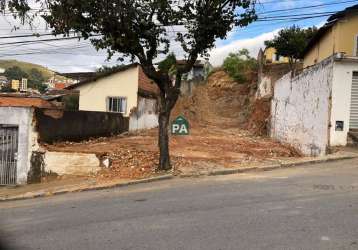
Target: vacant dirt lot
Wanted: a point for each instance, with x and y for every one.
(218, 112)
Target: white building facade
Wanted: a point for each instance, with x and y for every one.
(317, 109)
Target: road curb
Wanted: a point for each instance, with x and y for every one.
(218, 172)
(279, 166)
(42, 194)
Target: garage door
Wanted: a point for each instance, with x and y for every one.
(354, 102)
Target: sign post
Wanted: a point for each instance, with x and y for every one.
(180, 126)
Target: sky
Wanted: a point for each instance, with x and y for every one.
(80, 56)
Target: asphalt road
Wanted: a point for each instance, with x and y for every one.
(314, 207)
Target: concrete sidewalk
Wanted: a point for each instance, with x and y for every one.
(79, 184)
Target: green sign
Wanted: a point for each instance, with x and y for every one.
(180, 126)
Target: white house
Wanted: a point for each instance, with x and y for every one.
(126, 90)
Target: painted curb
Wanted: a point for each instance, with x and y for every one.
(123, 184)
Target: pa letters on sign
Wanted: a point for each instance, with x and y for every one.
(180, 126)
(180, 129)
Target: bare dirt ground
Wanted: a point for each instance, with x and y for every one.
(225, 121)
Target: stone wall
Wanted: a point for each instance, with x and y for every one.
(59, 125)
(301, 109)
(61, 163)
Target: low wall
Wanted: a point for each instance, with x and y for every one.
(71, 163)
(59, 125)
(301, 109)
(268, 75)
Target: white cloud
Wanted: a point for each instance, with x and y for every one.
(254, 44)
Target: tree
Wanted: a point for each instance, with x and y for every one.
(291, 43)
(7, 89)
(109, 69)
(36, 80)
(237, 65)
(168, 63)
(140, 30)
(15, 73)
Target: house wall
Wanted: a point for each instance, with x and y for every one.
(347, 36)
(341, 100)
(27, 140)
(340, 38)
(300, 109)
(93, 96)
(145, 116)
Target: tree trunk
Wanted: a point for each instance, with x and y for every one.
(164, 158)
(167, 103)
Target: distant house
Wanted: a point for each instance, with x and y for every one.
(15, 84)
(338, 35)
(195, 76)
(271, 56)
(197, 72)
(126, 90)
(76, 77)
(59, 85)
(3, 81)
(24, 100)
(318, 108)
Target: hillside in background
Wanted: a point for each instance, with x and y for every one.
(25, 66)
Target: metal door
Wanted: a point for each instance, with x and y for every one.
(8, 154)
(354, 103)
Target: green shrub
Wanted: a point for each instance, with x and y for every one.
(238, 65)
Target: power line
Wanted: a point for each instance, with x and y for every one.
(45, 40)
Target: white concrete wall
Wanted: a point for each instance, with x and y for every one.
(300, 109)
(71, 163)
(93, 95)
(264, 88)
(146, 115)
(341, 100)
(23, 118)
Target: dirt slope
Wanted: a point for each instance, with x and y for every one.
(221, 102)
(219, 112)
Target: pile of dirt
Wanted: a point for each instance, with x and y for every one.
(220, 102)
(224, 103)
(258, 121)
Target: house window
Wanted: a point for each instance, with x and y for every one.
(117, 104)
